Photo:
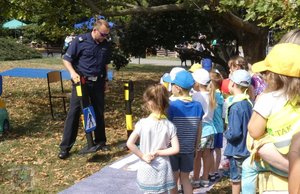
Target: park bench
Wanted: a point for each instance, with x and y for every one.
(185, 54)
(166, 53)
(52, 50)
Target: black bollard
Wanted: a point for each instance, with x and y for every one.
(128, 94)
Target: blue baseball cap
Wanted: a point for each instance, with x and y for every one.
(184, 79)
(207, 64)
(241, 77)
(169, 77)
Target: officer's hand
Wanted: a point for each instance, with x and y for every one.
(75, 77)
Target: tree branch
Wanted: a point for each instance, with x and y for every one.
(139, 2)
(122, 4)
(229, 17)
(93, 7)
(239, 23)
(138, 9)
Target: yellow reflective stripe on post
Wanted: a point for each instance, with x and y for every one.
(129, 122)
(126, 91)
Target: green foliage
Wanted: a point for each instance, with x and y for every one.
(272, 13)
(144, 28)
(10, 50)
(169, 29)
(134, 39)
(49, 21)
(119, 58)
(160, 30)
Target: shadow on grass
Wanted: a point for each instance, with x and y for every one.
(106, 157)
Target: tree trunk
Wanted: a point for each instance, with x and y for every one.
(254, 46)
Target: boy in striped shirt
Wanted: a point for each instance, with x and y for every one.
(186, 116)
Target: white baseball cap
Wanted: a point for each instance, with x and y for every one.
(201, 76)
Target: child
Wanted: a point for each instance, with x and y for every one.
(268, 152)
(206, 96)
(257, 83)
(216, 79)
(194, 67)
(186, 115)
(155, 132)
(239, 112)
(166, 78)
(276, 115)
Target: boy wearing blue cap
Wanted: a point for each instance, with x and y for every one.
(186, 115)
(239, 113)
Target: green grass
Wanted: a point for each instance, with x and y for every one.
(28, 152)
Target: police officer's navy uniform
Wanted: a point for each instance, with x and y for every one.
(89, 59)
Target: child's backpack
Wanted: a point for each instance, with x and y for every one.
(258, 83)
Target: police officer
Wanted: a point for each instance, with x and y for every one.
(87, 57)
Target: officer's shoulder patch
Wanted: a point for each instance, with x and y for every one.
(81, 39)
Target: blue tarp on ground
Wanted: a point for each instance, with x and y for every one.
(118, 177)
(33, 73)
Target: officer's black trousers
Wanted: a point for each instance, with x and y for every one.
(96, 94)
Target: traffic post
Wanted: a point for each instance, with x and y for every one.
(128, 94)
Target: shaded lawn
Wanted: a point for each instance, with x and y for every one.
(28, 162)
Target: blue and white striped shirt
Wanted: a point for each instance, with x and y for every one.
(186, 116)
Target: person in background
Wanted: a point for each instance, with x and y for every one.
(186, 115)
(239, 113)
(158, 140)
(87, 58)
(68, 41)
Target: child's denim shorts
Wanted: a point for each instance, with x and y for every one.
(235, 166)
